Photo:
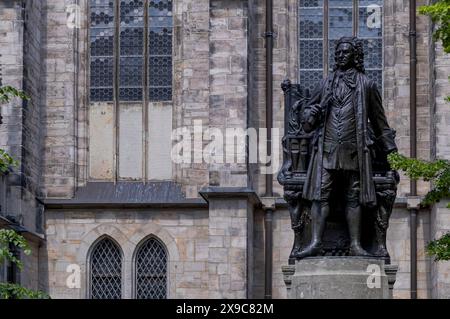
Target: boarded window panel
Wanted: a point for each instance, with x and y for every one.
(101, 141)
(130, 142)
(160, 143)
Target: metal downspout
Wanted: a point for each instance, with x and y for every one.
(413, 141)
(268, 216)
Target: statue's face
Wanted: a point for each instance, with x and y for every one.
(345, 56)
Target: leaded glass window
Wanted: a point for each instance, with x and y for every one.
(131, 50)
(106, 271)
(151, 270)
(322, 22)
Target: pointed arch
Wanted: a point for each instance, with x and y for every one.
(151, 269)
(105, 262)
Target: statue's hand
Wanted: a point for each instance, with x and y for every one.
(314, 110)
(285, 84)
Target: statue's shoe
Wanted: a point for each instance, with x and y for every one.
(358, 251)
(311, 250)
(381, 252)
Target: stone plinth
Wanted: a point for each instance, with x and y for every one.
(339, 278)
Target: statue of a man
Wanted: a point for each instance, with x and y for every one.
(340, 111)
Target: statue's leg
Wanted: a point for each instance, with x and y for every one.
(381, 229)
(318, 220)
(296, 209)
(353, 214)
(319, 213)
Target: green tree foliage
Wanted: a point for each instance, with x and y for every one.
(440, 15)
(440, 248)
(7, 93)
(10, 238)
(437, 172)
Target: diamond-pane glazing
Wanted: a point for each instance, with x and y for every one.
(106, 271)
(151, 271)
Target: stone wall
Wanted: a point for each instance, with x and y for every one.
(397, 82)
(71, 233)
(228, 108)
(440, 216)
(58, 160)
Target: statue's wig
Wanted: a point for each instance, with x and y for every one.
(358, 50)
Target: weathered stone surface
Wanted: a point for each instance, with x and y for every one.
(338, 278)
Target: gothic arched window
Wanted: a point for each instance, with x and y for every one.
(151, 270)
(130, 50)
(322, 22)
(105, 270)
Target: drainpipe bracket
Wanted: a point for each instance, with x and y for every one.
(413, 202)
(268, 203)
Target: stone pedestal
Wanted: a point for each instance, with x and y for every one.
(339, 278)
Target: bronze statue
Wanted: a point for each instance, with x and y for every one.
(335, 149)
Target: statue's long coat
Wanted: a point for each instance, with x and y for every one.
(367, 105)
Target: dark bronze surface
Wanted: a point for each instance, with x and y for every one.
(337, 181)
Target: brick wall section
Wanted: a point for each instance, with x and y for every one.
(228, 83)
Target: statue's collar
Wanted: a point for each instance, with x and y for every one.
(348, 76)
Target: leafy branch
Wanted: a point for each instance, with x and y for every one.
(440, 248)
(6, 94)
(9, 92)
(15, 291)
(8, 238)
(440, 15)
(437, 172)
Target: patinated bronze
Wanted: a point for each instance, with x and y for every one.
(337, 182)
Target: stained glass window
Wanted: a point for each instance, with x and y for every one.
(151, 271)
(106, 271)
(322, 22)
(134, 36)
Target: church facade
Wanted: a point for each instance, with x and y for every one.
(142, 148)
